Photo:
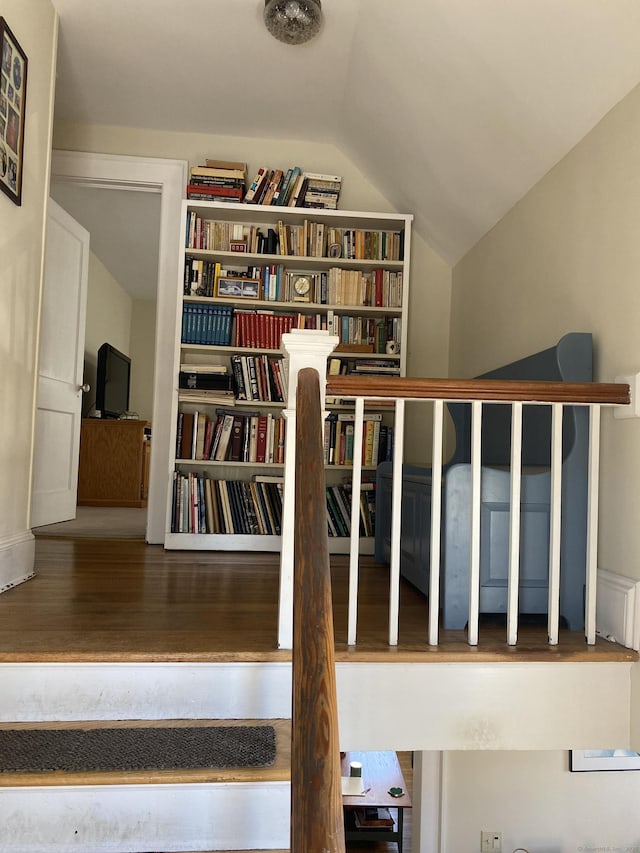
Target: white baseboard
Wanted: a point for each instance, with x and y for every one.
(17, 555)
(618, 609)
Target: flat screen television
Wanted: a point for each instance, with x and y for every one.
(112, 382)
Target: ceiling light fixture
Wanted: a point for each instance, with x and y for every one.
(293, 21)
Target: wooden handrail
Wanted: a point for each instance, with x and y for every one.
(317, 819)
(492, 390)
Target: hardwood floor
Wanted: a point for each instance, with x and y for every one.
(110, 600)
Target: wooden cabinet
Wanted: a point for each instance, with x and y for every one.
(114, 462)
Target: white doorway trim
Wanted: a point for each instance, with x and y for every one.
(169, 178)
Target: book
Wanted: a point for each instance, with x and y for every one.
(237, 434)
(204, 368)
(274, 186)
(227, 165)
(200, 381)
(257, 185)
(319, 176)
(218, 171)
(225, 438)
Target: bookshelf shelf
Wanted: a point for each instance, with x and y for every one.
(213, 492)
(299, 307)
(292, 261)
(227, 463)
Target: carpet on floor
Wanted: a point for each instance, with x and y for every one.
(113, 749)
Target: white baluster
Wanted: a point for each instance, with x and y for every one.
(555, 515)
(514, 523)
(476, 475)
(436, 518)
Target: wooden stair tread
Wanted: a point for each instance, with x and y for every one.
(279, 771)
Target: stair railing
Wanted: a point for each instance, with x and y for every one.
(317, 820)
(313, 348)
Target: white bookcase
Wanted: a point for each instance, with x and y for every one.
(243, 318)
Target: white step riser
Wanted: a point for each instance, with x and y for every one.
(136, 819)
(476, 706)
(156, 691)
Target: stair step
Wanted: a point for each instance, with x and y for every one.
(279, 771)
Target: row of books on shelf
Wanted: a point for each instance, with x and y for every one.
(310, 239)
(338, 499)
(215, 325)
(223, 180)
(230, 436)
(293, 188)
(258, 377)
(363, 366)
(339, 439)
(203, 505)
(380, 287)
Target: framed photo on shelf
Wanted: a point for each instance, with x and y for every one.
(603, 759)
(13, 91)
(238, 288)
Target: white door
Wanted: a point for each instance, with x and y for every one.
(61, 364)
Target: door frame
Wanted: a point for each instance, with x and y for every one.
(169, 179)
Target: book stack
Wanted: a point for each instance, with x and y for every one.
(217, 180)
(204, 384)
(321, 190)
(274, 187)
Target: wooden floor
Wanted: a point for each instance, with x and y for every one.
(112, 600)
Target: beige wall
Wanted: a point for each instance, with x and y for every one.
(127, 324)
(109, 311)
(34, 24)
(143, 336)
(566, 258)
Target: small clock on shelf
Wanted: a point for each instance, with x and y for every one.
(301, 285)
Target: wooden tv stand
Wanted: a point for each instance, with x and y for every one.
(114, 462)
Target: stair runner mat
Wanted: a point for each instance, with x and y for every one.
(109, 749)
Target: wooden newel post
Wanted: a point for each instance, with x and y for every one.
(317, 821)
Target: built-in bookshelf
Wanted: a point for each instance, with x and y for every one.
(250, 274)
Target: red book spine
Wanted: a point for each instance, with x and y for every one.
(261, 443)
(378, 287)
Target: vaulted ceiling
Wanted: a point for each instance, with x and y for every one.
(453, 108)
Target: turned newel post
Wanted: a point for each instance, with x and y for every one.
(302, 348)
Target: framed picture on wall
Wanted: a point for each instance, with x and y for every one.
(13, 91)
(603, 759)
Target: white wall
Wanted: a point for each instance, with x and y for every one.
(566, 258)
(430, 276)
(537, 803)
(34, 24)
(109, 312)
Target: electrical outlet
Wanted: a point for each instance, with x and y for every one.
(490, 842)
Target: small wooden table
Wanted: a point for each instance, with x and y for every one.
(380, 772)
